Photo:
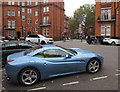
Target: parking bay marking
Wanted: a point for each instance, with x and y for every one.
(35, 89)
(71, 83)
(98, 78)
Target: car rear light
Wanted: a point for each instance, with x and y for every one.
(10, 61)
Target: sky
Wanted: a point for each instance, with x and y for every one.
(72, 5)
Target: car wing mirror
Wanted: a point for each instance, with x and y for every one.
(68, 56)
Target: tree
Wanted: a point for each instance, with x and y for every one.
(85, 15)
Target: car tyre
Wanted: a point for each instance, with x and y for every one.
(28, 76)
(93, 66)
(43, 42)
(113, 43)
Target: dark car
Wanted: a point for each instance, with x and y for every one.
(11, 47)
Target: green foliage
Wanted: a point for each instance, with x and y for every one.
(85, 15)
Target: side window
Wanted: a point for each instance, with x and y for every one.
(41, 55)
(11, 46)
(54, 54)
(24, 45)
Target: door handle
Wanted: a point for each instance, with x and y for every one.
(45, 63)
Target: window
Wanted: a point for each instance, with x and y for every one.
(18, 3)
(13, 23)
(44, 9)
(23, 3)
(44, 33)
(23, 9)
(108, 0)
(36, 3)
(9, 23)
(47, 19)
(23, 18)
(102, 29)
(30, 11)
(47, 9)
(47, 32)
(9, 13)
(33, 29)
(13, 12)
(13, 33)
(24, 29)
(36, 13)
(9, 2)
(108, 31)
(36, 29)
(27, 2)
(18, 13)
(30, 20)
(54, 53)
(106, 14)
(36, 21)
(30, 3)
(44, 20)
(9, 33)
(13, 3)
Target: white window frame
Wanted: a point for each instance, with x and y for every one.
(36, 13)
(28, 3)
(36, 3)
(44, 20)
(9, 23)
(109, 14)
(44, 32)
(102, 33)
(36, 30)
(18, 3)
(23, 3)
(18, 13)
(13, 3)
(23, 9)
(30, 11)
(36, 21)
(47, 9)
(47, 20)
(13, 23)
(23, 18)
(44, 9)
(28, 21)
(108, 32)
(13, 12)
(47, 32)
(9, 2)
(9, 33)
(9, 13)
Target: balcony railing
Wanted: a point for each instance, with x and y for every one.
(45, 24)
(106, 19)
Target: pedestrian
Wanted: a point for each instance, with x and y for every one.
(81, 39)
(95, 40)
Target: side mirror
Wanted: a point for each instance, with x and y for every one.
(68, 56)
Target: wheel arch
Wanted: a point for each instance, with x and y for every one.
(29, 67)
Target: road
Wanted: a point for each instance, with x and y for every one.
(105, 79)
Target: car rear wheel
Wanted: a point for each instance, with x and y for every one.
(29, 76)
(93, 66)
(113, 43)
(43, 42)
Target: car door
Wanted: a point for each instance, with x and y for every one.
(57, 63)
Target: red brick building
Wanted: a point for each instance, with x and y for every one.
(107, 18)
(23, 18)
(67, 30)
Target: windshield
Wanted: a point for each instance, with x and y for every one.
(32, 50)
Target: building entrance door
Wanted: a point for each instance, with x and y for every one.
(18, 35)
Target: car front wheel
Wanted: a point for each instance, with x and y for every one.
(93, 66)
(113, 43)
(29, 76)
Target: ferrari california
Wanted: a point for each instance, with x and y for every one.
(47, 61)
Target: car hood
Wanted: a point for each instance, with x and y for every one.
(15, 55)
(81, 51)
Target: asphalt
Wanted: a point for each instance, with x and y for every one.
(105, 79)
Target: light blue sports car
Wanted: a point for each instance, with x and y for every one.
(47, 61)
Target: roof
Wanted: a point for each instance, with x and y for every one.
(46, 46)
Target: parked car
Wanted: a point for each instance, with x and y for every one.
(47, 61)
(13, 47)
(37, 38)
(112, 40)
